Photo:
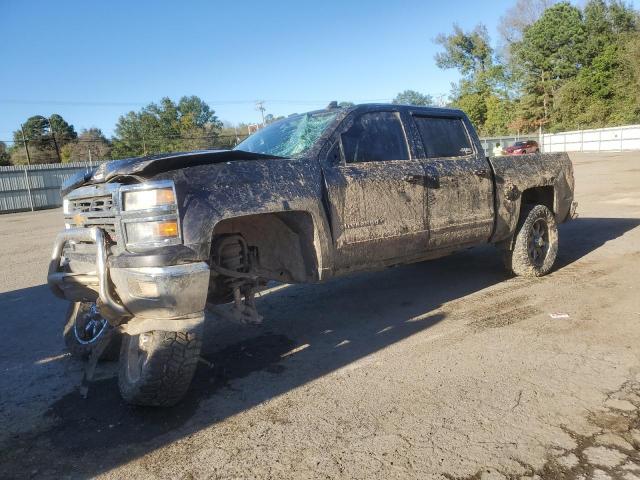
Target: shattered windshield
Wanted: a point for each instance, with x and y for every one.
(290, 137)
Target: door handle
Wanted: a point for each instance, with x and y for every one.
(417, 179)
(426, 180)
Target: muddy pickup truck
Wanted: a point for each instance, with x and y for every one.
(151, 243)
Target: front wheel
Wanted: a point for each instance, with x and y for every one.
(156, 368)
(536, 243)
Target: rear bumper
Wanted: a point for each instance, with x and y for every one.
(175, 292)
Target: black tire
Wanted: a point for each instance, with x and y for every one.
(84, 328)
(156, 368)
(536, 243)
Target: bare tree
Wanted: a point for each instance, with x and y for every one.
(517, 18)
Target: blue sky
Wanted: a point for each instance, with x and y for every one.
(93, 61)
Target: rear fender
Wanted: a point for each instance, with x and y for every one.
(539, 178)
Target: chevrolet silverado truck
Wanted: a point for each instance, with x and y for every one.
(151, 243)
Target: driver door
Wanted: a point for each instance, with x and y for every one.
(376, 192)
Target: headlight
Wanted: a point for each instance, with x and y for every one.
(149, 215)
(146, 199)
(152, 232)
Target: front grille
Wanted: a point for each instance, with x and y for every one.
(95, 204)
(98, 210)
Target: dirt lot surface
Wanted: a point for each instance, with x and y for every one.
(448, 369)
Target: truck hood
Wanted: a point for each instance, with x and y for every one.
(151, 165)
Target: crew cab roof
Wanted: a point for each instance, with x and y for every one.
(438, 111)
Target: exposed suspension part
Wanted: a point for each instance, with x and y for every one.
(234, 279)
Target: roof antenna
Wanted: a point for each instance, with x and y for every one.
(332, 105)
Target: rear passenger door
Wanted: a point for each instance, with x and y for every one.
(376, 191)
(460, 201)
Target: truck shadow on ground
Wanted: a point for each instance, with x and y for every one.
(309, 331)
(583, 235)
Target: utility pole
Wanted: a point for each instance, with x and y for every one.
(55, 143)
(260, 107)
(90, 162)
(24, 142)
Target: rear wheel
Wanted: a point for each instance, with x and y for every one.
(156, 368)
(84, 328)
(536, 243)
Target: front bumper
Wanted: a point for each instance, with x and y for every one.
(161, 294)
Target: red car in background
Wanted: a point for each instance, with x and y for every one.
(522, 147)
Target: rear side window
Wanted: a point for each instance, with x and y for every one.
(444, 137)
(375, 137)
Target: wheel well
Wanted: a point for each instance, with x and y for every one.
(538, 196)
(284, 242)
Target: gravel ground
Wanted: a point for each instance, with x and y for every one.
(448, 369)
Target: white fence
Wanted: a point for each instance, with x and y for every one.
(613, 139)
(32, 187)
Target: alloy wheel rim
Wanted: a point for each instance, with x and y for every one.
(538, 244)
(89, 325)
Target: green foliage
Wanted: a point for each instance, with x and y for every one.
(187, 125)
(500, 115)
(470, 96)
(44, 136)
(469, 52)
(483, 91)
(605, 90)
(411, 97)
(551, 51)
(4, 155)
(64, 133)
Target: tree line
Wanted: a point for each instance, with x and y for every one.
(168, 126)
(555, 67)
(558, 67)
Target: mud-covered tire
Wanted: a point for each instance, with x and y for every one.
(536, 243)
(156, 368)
(79, 341)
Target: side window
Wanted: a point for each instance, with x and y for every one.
(444, 137)
(375, 137)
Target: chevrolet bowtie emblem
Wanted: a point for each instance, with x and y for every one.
(79, 220)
